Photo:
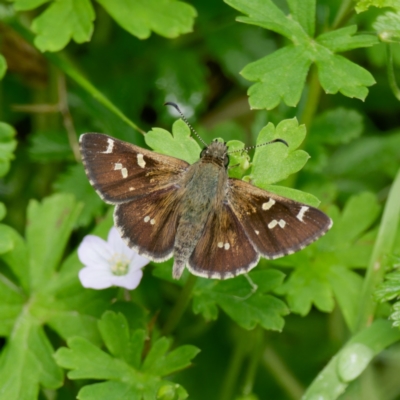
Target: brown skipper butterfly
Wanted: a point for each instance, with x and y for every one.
(216, 226)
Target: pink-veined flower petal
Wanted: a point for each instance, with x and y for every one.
(95, 252)
(94, 278)
(129, 281)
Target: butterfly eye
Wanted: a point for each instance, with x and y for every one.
(226, 160)
(204, 151)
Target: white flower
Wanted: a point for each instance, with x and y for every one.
(110, 263)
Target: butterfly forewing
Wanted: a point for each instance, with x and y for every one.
(277, 226)
(224, 250)
(120, 171)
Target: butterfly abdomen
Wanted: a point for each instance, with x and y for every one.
(200, 199)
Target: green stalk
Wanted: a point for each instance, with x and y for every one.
(390, 71)
(180, 306)
(234, 365)
(258, 345)
(284, 378)
(383, 247)
(313, 96)
(61, 61)
(343, 14)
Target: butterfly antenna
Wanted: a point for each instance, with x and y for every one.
(259, 145)
(169, 103)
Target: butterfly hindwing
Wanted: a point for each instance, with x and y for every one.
(121, 171)
(223, 251)
(149, 224)
(277, 226)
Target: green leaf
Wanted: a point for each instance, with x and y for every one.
(389, 289)
(63, 21)
(169, 18)
(27, 362)
(238, 162)
(387, 26)
(363, 5)
(6, 239)
(338, 74)
(332, 127)
(50, 225)
(115, 332)
(236, 298)
(322, 269)
(298, 195)
(24, 5)
(3, 66)
(3, 211)
(121, 371)
(7, 144)
(11, 303)
(275, 162)
(351, 360)
(281, 77)
(345, 39)
(179, 144)
(282, 74)
(50, 146)
(304, 13)
(17, 258)
(75, 182)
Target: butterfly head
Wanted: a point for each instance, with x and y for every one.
(216, 152)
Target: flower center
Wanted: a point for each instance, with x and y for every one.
(120, 265)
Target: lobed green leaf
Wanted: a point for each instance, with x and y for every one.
(50, 224)
(179, 144)
(3, 66)
(169, 18)
(236, 298)
(276, 162)
(63, 21)
(7, 144)
(363, 5)
(281, 75)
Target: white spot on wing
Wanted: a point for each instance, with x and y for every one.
(140, 160)
(109, 147)
(131, 188)
(152, 221)
(227, 246)
(268, 204)
(220, 245)
(301, 213)
(117, 166)
(273, 224)
(124, 172)
(146, 218)
(257, 232)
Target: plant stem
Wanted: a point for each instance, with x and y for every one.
(180, 306)
(383, 247)
(234, 364)
(61, 61)
(344, 12)
(258, 345)
(281, 373)
(313, 96)
(390, 71)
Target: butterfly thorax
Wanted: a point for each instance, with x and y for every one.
(204, 190)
